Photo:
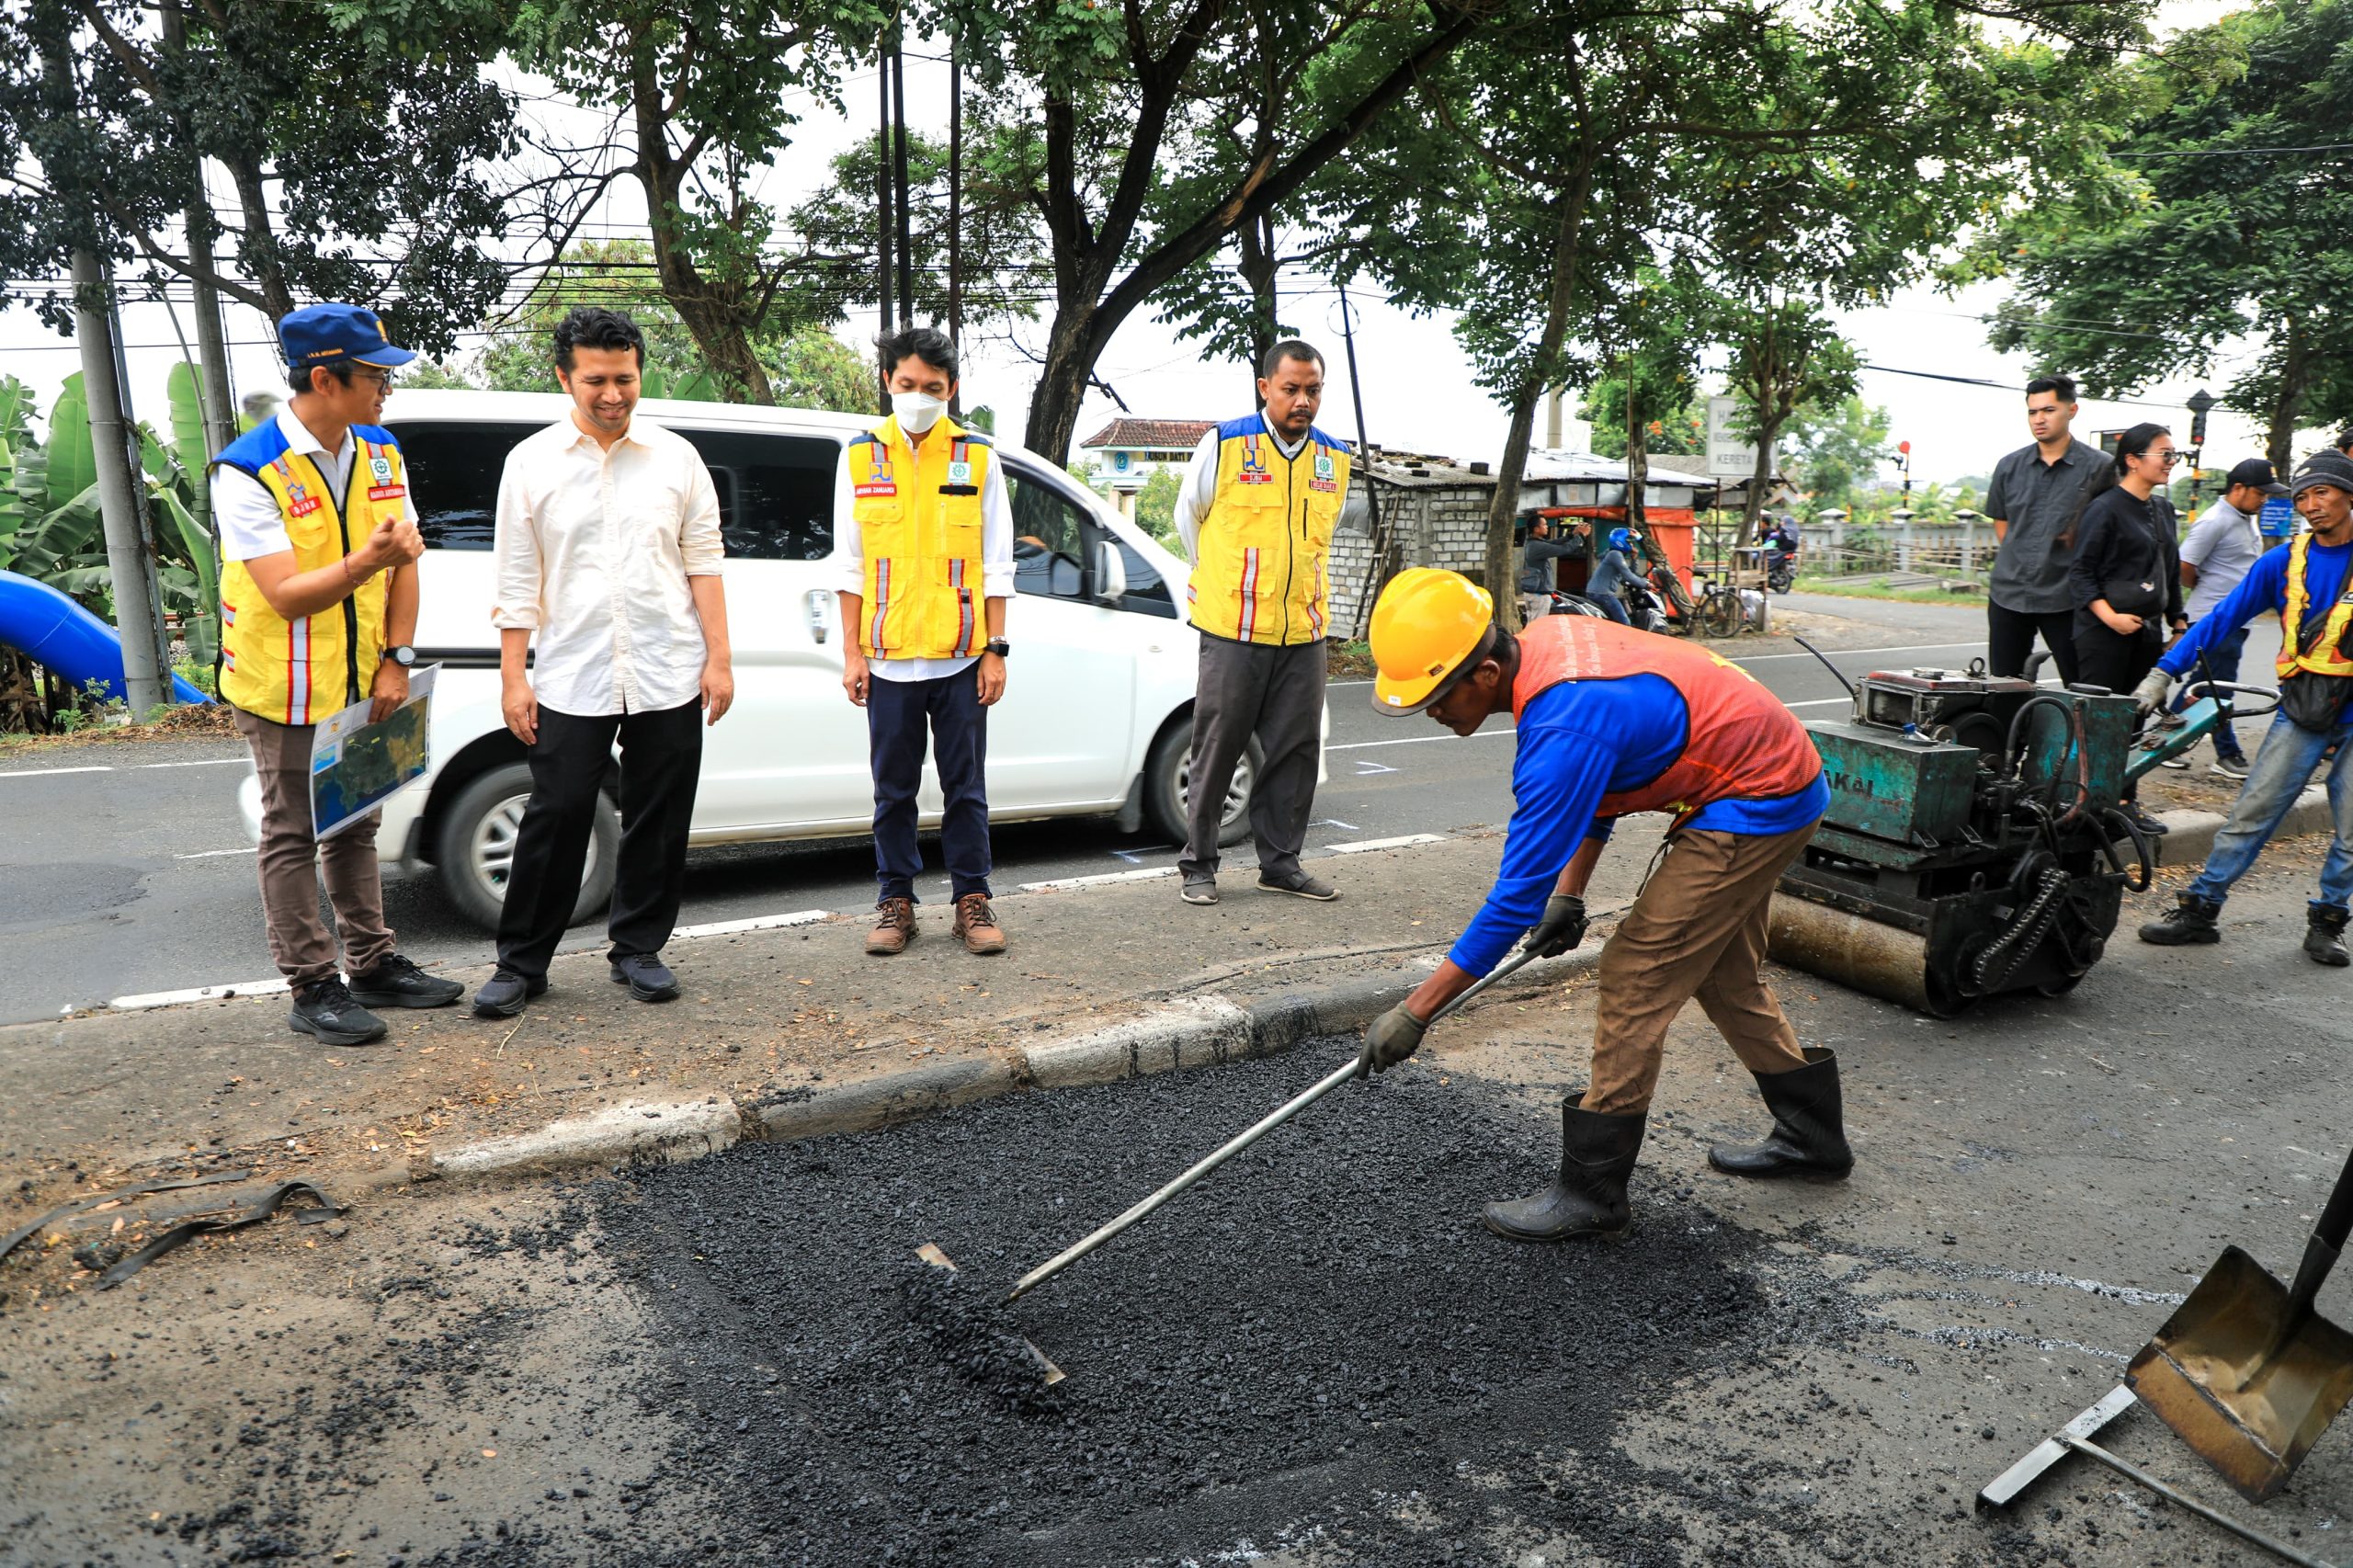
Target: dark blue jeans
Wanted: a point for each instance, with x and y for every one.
(2223, 660)
(901, 715)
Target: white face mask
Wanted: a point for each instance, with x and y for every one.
(918, 412)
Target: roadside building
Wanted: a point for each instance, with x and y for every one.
(1130, 452)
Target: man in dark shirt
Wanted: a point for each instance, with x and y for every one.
(2037, 493)
(1536, 572)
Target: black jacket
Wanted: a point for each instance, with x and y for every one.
(2122, 538)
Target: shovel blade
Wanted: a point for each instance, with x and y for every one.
(2212, 1375)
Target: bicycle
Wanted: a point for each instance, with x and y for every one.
(1716, 609)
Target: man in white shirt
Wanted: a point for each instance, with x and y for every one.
(926, 541)
(318, 604)
(2221, 545)
(607, 556)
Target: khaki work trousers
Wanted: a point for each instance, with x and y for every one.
(293, 862)
(1697, 929)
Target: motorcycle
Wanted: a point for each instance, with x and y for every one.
(1780, 570)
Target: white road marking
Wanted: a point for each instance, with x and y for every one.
(209, 854)
(1416, 740)
(1334, 821)
(197, 994)
(206, 762)
(1147, 874)
(1861, 653)
(1823, 702)
(46, 772)
(757, 922)
(1404, 843)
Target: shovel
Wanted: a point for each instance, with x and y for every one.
(2245, 1371)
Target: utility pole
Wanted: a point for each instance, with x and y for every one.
(214, 396)
(1552, 419)
(886, 231)
(899, 176)
(131, 561)
(956, 206)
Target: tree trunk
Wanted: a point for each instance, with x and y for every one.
(2280, 438)
(259, 255)
(1769, 427)
(1255, 241)
(212, 391)
(714, 313)
(1071, 351)
(1503, 507)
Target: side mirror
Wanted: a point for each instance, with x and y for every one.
(1111, 573)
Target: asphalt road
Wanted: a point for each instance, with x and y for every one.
(128, 871)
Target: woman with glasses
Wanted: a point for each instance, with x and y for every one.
(2127, 576)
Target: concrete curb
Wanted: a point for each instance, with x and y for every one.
(1197, 1032)
(2189, 836)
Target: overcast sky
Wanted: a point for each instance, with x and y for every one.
(1417, 391)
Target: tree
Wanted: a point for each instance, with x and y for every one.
(1784, 357)
(700, 88)
(1090, 99)
(1683, 432)
(1838, 448)
(360, 141)
(1156, 505)
(2241, 225)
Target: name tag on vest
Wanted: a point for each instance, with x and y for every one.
(1247, 477)
(1325, 486)
(303, 505)
(386, 492)
(887, 487)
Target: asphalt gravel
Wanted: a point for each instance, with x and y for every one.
(1319, 1350)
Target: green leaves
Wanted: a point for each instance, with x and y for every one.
(72, 460)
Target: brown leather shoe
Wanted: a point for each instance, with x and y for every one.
(976, 924)
(894, 927)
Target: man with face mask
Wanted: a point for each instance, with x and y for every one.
(919, 505)
(1257, 512)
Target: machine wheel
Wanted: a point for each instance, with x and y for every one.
(1166, 782)
(477, 847)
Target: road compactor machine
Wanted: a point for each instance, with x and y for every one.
(1976, 841)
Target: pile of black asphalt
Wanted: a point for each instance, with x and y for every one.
(1318, 1352)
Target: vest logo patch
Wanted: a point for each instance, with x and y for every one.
(382, 469)
(960, 473)
(386, 492)
(1323, 467)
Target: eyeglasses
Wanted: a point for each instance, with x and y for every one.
(382, 379)
(2168, 459)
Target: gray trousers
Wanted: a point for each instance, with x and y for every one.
(1276, 695)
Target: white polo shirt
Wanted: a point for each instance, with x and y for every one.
(246, 514)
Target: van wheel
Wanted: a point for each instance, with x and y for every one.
(477, 847)
(1166, 787)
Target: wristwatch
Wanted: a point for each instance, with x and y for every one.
(999, 646)
(402, 654)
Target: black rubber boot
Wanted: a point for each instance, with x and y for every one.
(2325, 935)
(1588, 1198)
(2190, 924)
(1809, 1136)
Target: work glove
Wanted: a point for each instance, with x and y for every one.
(1562, 928)
(1391, 1038)
(2151, 694)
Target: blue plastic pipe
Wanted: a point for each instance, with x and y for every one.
(58, 634)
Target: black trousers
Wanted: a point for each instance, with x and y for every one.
(2009, 638)
(1276, 695)
(900, 716)
(660, 763)
(2116, 660)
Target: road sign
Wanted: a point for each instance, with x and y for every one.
(1728, 456)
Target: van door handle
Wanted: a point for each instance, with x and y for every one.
(820, 606)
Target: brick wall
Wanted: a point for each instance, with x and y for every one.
(1437, 525)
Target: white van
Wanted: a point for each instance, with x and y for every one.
(1096, 718)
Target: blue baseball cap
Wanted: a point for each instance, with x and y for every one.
(330, 335)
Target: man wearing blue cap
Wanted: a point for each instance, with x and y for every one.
(318, 604)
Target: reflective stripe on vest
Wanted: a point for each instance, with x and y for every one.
(2326, 656)
(1260, 572)
(302, 671)
(1742, 743)
(918, 511)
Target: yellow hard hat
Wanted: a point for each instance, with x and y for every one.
(1427, 628)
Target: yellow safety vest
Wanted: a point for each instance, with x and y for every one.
(919, 512)
(2327, 655)
(1259, 567)
(300, 672)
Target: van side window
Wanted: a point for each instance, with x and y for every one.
(1049, 539)
(776, 492)
(1147, 592)
(453, 471)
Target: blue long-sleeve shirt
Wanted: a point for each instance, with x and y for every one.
(2263, 590)
(1579, 740)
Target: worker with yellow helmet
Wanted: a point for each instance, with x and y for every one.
(1612, 720)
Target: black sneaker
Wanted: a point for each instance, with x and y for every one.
(1299, 885)
(504, 994)
(326, 1009)
(397, 983)
(2153, 826)
(2231, 767)
(647, 977)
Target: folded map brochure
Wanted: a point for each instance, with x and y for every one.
(356, 766)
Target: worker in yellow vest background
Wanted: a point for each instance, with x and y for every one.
(318, 605)
(1257, 514)
(927, 537)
